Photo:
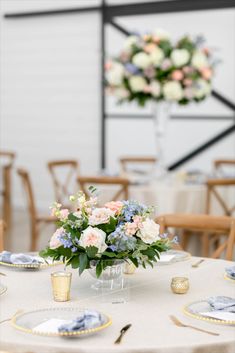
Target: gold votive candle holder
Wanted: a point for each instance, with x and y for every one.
(61, 283)
(129, 268)
(180, 285)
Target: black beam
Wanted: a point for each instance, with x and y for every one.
(174, 117)
(202, 147)
(73, 10)
(223, 100)
(147, 8)
(103, 115)
(119, 28)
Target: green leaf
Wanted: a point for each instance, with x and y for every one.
(74, 262)
(134, 261)
(83, 262)
(91, 251)
(99, 269)
(109, 254)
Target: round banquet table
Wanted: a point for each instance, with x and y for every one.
(150, 304)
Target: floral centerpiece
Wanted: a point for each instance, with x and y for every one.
(153, 67)
(119, 230)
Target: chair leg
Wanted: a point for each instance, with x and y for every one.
(34, 237)
(185, 239)
(205, 244)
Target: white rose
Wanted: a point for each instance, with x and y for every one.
(199, 60)
(100, 216)
(93, 237)
(180, 57)
(121, 93)
(156, 56)
(130, 41)
(155, 88)
(115, 74)
(141, 60)
(202, 88)
(172, 90)
(137, 83)
(149, 231)
(161, 34)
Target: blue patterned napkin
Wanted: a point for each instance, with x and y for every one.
(222, 303)
(89, 319)
(230, 271)
(17, 259)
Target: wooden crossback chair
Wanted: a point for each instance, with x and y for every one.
(9, 157)
(121, 183)
(222, 225)
(35, 219)
(63, 188)
(2, 228)
(127, 162)
(212, 190)
(219, 164)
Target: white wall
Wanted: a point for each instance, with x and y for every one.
(50, 90)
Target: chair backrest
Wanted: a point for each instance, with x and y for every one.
(127, 162)
(64, 174)
(27, 186)
(120, 193)
(221, 225)
(213, 186)
(2, 228)
(8, 156)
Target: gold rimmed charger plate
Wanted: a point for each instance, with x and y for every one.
(35, 266)
(26, 321)
(194, 310)
(3, 289)
(229, 278)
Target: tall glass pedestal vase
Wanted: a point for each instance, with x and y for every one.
(161, 114)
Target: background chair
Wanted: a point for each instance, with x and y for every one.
(142, 165)
(64, 174)
(221, 166)
(2, 228)
(212, 190)
(118, 187)
(35, 219)
(8, 158)
(221, 225)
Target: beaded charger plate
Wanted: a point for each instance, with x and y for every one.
(3, 289)
(32, 321)
(196, 310)
(229, 278)
(33, 266)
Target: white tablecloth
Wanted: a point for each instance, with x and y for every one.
(150, 304)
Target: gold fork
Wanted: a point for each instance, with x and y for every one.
(198, 263)
(10, 318)
(180, 324)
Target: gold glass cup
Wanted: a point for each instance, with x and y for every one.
(179, 285)
(61, 283)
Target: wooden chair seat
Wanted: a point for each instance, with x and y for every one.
(221, 225)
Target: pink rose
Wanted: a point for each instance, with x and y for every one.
(206, 73)
(55, 241)
(177, 75)
(64, 214)
(115, 206)
(149, 48)
(187, 82)
(108, 65)
(147, 89)
(187, 70)
(130, 228)
(100, 216)
(138, 221)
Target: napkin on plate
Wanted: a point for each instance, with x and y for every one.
(230, 271)
(17, 259)
(225, 304)
(88, 319)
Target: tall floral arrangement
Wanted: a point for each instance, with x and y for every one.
(153, 67)
(100, 235)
